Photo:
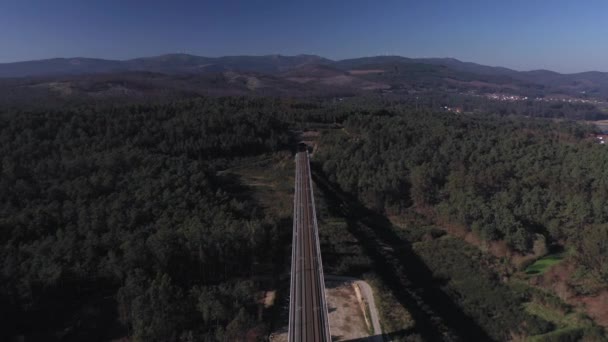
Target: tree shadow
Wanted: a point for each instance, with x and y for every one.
(75, 310)
(437, 316)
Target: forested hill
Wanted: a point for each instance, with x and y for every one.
(508, 179)
(276, 75)
(120, 220)
(116, 213)
(519, 189)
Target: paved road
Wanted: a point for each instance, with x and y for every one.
(307, 307)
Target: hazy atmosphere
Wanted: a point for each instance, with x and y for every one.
(278, 171)
(561, 35)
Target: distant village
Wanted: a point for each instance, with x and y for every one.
(601, 138)
(514, 98)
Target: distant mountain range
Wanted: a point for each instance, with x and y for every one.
(172, 63)
(302, 74)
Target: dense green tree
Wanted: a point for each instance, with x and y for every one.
(423, 187)
(127, 202)
(504, 178)
(593, 251)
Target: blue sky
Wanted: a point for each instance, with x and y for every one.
(560, 35)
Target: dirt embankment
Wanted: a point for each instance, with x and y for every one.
(366, 303)
(352, 311)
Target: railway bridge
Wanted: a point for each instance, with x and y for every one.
(308, 318)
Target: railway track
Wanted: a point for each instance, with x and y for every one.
(307, 307)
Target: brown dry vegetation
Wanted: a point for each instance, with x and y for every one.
(365, 72)
(597, 307)
(562, 281)
(481, 84)
(558, 279)
(498, 248)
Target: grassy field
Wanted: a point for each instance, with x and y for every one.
(270, 179)
(570, 322)
(541, 265)
(394, 318)
(566, 334)
(561, 317)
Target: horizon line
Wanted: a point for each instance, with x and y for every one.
(296, 55)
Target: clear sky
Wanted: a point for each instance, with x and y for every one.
(561, 35)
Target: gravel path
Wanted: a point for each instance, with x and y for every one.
(368, 295)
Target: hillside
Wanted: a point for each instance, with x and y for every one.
(393, 73)
(170, 63)
(151, 222)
